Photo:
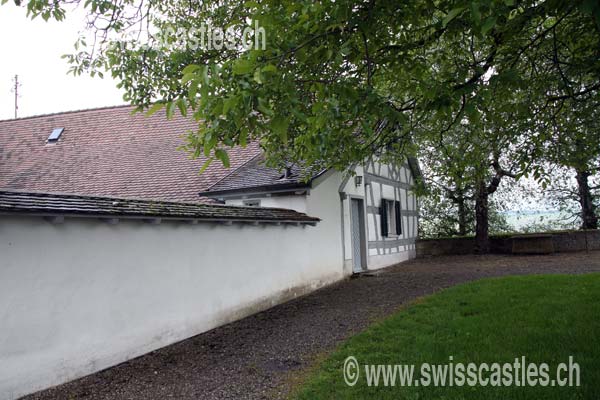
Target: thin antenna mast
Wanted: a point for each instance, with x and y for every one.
(16, 90)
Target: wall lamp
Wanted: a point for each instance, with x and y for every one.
(358, 180)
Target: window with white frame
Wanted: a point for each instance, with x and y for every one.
(391, 218)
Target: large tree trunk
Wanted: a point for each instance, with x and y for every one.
(588, 210)
(462, 218)
(482, 240)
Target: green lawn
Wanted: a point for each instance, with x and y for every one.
(544, 318)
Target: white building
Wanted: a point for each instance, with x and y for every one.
(100, 261)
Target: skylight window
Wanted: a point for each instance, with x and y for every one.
(53, 138)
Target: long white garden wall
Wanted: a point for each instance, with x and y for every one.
(83, 295)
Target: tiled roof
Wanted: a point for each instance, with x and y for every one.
(45, 204)
(108, 152)
(255, 175)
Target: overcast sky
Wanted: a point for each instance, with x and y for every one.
(32, 49)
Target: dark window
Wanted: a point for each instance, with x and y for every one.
(251, 203)
(391, 218)
(398, 217)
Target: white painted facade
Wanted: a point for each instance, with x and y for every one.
(391, 183)
(83, 295)
(380, 181)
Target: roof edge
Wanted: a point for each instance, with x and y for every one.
(48, 205)
(272, 188)
(81, 110)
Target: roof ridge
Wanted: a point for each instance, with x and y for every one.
(82, 110)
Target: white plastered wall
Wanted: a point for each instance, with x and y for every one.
(322, 201)
(291, 202)
(84, 295)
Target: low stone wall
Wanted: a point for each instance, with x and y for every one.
(535, 243)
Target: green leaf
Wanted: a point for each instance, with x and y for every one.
(488, 25)
(155, 107)
(279, 125)
(182, 105)
(269, 68)
(207, 144)
(243, 138)
(204, 92)
(210, 142)
(223, 156)
(193, 90)
(243, 67)
(264, 107)
(188, 77)
(205, 77)
(190, 69)
(229, 103)
(258, 76)
(451, 15)
(205, 165)
(475, 13)
(170, 109)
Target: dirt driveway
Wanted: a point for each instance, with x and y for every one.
(256, 357)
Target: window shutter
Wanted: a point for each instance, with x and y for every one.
(384, 218)
(398, 218)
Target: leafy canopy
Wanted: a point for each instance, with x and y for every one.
(334, 74)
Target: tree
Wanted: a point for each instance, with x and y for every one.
(575, 146)
(563, 193)
(567, 128)
(440, 216)
(446, 205)
(333, 71)
(583, 161)
(469, 160)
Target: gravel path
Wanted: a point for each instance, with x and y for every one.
(259, 356)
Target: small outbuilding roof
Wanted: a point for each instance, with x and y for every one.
(255, 176)
(51, 205)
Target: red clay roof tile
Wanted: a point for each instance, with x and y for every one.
(108, 152)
